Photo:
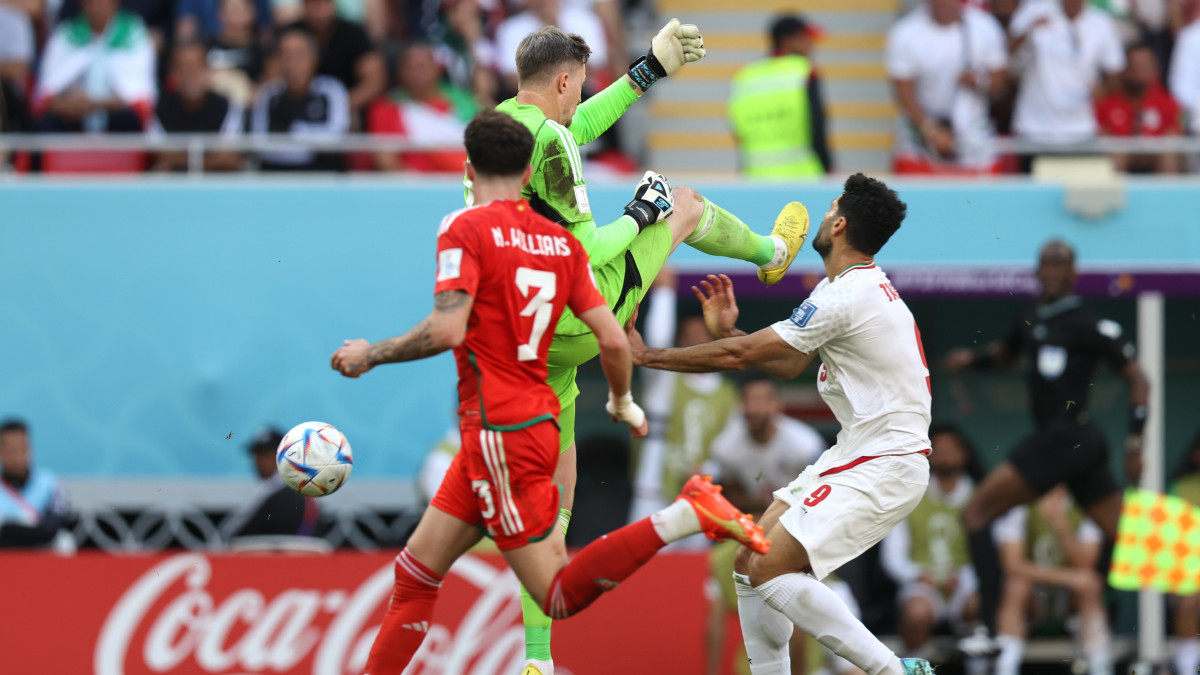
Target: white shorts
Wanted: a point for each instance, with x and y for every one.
(945, 609)
(839, 515)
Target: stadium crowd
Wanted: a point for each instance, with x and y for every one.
(1055, 72)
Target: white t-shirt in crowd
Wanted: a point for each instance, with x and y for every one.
(16, 35)
(762, 468)
(873, 374)
(571, 19)
(1185, 72)
(1012, 528)
(935, 55)
(1061, 62)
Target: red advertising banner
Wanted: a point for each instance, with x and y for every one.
(235, 614)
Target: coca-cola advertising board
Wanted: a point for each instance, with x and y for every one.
(236, 614)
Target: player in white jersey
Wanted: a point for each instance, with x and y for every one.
(874, 377)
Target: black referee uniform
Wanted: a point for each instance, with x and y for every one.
(1063, 343)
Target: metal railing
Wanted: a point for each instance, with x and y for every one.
(196, 145)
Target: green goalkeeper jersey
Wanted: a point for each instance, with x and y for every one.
(557, 189)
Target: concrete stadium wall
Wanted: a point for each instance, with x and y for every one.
(142, 322)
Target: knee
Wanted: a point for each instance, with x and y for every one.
(741, 560)
(760, 570)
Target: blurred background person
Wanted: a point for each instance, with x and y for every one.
(1185, 652)
(33, 509)
(274, 509)
(424, 108)
(1141, 106)
(1068, 54)
(760, 451)
(204, 19)
(1185, 70)
(303, 104)
(777, 110)
(235, 53)
(97, 72)
(463, 48)
(946, 62)
(686, 410)
(193, 108)
(345, 53)
(570, 17)
(926, 555)
(1049, 555)
(17, 47)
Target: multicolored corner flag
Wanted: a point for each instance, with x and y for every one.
(1158, 544)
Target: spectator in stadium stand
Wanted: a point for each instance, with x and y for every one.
(193, 108)
(946, 61)
(1001, 109)
(1141, 106)
(1186, 647)
(32, 505)
(274, 508)
(1069, 55)
(755, 454)
(205, 19)
(14, 117)
(1049, 554)
(464, 50)
(926, 555)
(158, 16)
(345, 53)
(1185, 69)
(235, 54)
(96, 73)
(16, 46)
(686, 410)
(777, 110)
(424, 108)
(570, 17)
(301, 103)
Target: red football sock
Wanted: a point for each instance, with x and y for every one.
(600, 566)
(407, 619)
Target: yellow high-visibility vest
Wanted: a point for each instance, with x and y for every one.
(769, 110)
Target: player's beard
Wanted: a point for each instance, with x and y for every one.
(823, 243)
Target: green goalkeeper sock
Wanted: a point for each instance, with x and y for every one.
(719, 232)
(537, 624)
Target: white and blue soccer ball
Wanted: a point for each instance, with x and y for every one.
(314, 459)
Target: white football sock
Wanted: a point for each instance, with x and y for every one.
(1012, 649)
(764, 631)
(1186, 655)
(676, 521)
(1097, 645)
(781, 253)
(818, 611)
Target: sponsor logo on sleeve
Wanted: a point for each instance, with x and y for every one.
(449, 264)
(802, 314)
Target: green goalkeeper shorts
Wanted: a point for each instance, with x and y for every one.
(623, 282)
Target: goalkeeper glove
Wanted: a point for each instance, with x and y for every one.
(673, 46)
(623, 409)
(652, 200)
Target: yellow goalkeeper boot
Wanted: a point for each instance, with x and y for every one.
(536, 667)
(791, 226)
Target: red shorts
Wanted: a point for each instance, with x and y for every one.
(503, 481)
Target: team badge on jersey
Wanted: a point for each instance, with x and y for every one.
(803, 313)
(449, 264)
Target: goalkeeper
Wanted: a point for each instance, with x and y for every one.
(629, 252)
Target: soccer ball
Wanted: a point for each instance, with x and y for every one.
(314, 459)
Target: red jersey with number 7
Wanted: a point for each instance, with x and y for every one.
(522, 270)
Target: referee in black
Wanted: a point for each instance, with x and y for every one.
(1062, 342)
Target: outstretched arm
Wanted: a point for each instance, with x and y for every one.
(445, 328)
(735, 353)
(719, 304)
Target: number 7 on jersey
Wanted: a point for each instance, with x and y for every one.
(540, 307)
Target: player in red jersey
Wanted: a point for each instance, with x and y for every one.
(505, 274)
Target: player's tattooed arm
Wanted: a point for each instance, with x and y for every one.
(444, 329)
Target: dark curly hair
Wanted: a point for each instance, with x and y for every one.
(873, 213)
(497, 144)
(973, 467)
